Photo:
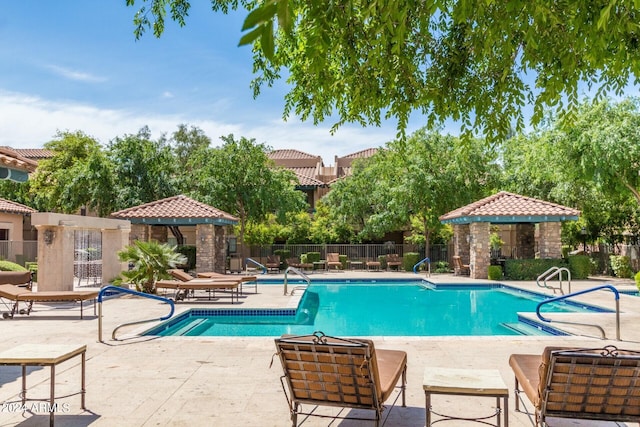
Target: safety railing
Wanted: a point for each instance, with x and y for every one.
(251, 260)
(597, 288)
(550, 274)
(299, 273)
(131, 292)
(424, 261)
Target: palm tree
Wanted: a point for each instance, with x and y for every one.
(150, 262)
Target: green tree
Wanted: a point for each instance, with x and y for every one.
(239, 178)
(77, 175)
(188, 144)
(479, 62)
(145, 169)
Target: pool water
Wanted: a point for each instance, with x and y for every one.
(378, 309)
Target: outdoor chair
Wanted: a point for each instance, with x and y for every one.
(19, 294)
(273, 263)
(333, 260)
(295, 262)
(348, 373)
(393, 260)
(460, 269)
(593, 384)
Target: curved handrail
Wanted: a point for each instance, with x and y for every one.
(597, 288)
(299, 273)
(428, 261)
(550, 273)
(264, 269)
(131, 292)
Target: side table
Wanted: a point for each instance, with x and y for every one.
(45, 355)
(466, 382)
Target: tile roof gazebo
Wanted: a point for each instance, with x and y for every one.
(176, 211)
(471, 225)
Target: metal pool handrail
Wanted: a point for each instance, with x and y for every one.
(132, 292)
(264, 269)
(299, 273)
(550, 273)
(563, 297)
(428, 261)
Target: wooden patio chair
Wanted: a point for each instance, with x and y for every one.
(394, 260)
(592, 384)
(348, 373)
(460, 269)
(273, 263)
(333, 260)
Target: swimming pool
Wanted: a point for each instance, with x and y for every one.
(414, 308)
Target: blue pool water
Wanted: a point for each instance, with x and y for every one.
(374, 309)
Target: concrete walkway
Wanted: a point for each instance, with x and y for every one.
(210, 381)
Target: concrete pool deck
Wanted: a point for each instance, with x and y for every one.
(224, 381)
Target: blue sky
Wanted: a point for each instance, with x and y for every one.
(75, 65)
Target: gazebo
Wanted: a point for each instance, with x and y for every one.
(471, 225)
(153, 220)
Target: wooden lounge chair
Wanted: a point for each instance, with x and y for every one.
(593, 384)
(20, 278)
(393, 260)
(350, 373)
(333, 260)
(273, 263)
(215, 277)
(460, 269)
(295, 262)
(183, 289)
(19, 294)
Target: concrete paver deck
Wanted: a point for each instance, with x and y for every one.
(224, 381)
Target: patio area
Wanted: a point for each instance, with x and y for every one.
(211, 381)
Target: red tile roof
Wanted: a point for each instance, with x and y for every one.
(362, 154)
(509, 207)
(290, 154)
(16, 208)
(176, 207)
(308, 181)
(34, 153)
(10, 158)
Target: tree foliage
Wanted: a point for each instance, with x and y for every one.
(475, 61)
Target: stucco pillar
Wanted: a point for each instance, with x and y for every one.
(55, 258)
(205, 248)
(550, 242)
(112, 242)
(480, 255)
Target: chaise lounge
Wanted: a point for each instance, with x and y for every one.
(19, 294)
(350, 373)
(593, 384)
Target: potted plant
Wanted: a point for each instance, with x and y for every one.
(149, 262)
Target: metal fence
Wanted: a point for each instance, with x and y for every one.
(361, 252)
(19, 251)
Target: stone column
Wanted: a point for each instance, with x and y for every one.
(205, 248)
(480, 255)
(159, 233)
(55, 258)
(461, 242)
(220, 249)
(139, 232)
(550, 242)
(525, 239)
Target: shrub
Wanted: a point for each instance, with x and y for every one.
(409, 260)
(621, 266)
(190, 253)
(10, 266)
(581, 266)
(441, 267)
(565, 251)
(494, 272)
(313, 256)
(382, 259)
(638, 280)
(343, 261)
(529, 269)
(304, 258)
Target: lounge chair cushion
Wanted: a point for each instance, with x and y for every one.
(15, 277)
(180, 275)
(390, 366)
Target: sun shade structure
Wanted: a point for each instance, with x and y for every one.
(471, 224)
(179, 211)
(15, 167)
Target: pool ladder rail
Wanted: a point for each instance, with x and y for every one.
(597, 288)
(419, 263)
(257, 264)
(113, 289)
(550, 274)
(299, 273)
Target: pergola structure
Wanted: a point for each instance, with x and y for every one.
(471, 225)
(151, 221)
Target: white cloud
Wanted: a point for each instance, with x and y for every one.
(75, 75)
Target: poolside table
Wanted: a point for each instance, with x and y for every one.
(45, 355)
(466, 382)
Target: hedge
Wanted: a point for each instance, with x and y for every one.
(494, 272)
(529, 269)
(409, 260)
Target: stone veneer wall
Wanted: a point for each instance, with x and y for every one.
(525, 239)
(205, 248)
(480, 255)
(139, 232)
(220, 254)
(159, 233)
(461, 242)
(550, 242)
